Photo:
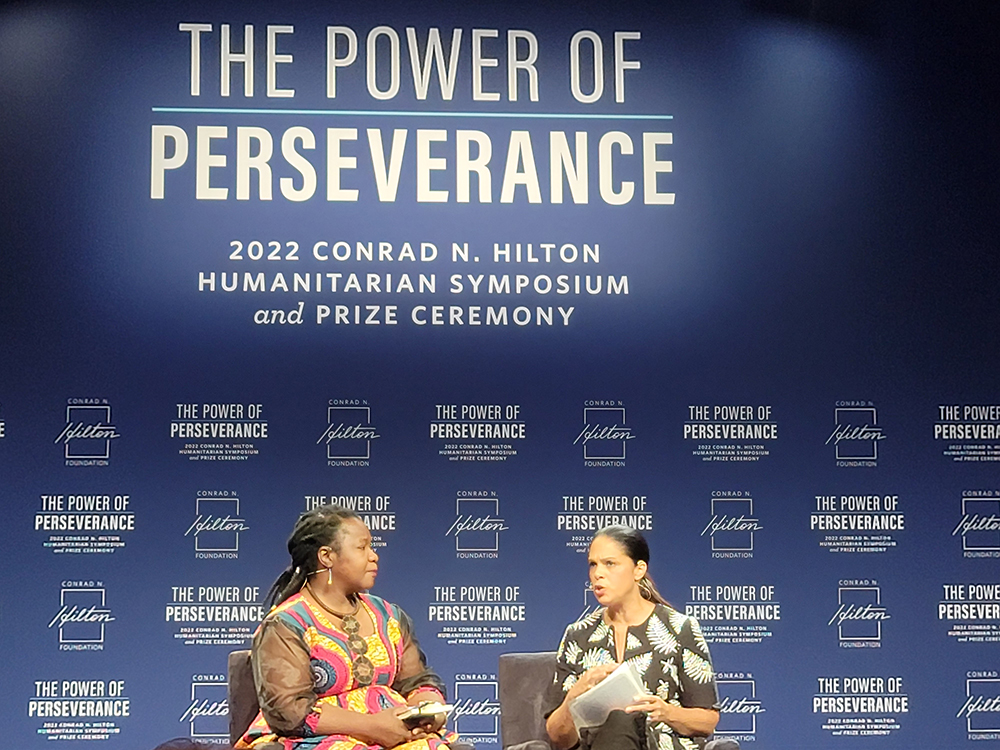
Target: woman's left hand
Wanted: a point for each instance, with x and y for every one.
(430, 726)
(655, 707)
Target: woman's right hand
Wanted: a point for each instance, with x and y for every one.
(388, 730)
(559, 726)
(588, 679)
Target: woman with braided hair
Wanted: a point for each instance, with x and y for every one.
(334, 666)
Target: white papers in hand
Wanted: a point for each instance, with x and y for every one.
(616, 691)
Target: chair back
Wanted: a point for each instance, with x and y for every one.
(242, 694)
(524, 680)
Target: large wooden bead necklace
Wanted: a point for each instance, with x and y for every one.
(364, 670)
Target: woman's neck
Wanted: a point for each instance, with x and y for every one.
(633, 610)
(332, 596)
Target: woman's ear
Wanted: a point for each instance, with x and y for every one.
(640, 570)
(326, 557)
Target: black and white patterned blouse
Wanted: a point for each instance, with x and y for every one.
(668, 652)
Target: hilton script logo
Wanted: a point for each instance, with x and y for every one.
(605, 433)
(89, 430)
(856, 433)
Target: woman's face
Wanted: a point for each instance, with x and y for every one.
(355, 564)
(614, 576)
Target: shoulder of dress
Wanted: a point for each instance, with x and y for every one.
(294, 611)
(380, 606)
(374, 601)
(677, 620)
(585, 623)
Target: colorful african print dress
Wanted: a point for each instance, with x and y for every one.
(301, 663)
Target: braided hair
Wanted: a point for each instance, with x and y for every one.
(319, 527)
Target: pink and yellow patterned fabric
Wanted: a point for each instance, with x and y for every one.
(302, 663)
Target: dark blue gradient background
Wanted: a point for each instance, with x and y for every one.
(833, 237)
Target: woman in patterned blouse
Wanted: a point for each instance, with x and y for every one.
(636, 625)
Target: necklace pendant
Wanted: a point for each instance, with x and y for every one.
(357, 644)
(364, 670)
(350, 624)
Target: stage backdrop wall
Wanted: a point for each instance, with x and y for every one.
(497, 275)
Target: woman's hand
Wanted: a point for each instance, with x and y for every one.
(559, 726)
(688, 721)
(588, 679)
(652, 705)
(388, 730)
(433, 726)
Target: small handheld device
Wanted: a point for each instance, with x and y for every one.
(423, 712)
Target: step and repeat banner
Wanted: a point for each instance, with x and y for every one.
(496, 276)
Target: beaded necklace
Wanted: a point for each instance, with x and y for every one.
(364, 670)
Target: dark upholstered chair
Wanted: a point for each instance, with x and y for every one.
(242, 695)
(524, 680)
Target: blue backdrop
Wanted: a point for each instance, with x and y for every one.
(496, 276)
